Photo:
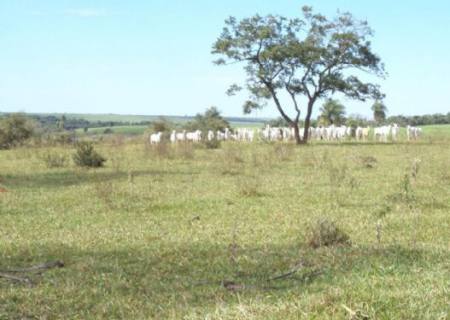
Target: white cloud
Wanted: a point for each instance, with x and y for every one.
(87, 12)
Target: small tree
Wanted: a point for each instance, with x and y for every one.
(278, 122)
(86, 156)
(161, 125)
(333, 112)
(311, 58)
(62, 123)
(379, 111)
(210, 120)
(14, 130)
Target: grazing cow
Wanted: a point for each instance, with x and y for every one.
(210, 135)
(173, 136)
(413, 133)
(195, 136)
(155, 138)
(359, 133)
(181, 136)
(395, 130)
(220, 135)
(365, 133)
(382, 133)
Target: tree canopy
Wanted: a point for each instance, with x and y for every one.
(332, 112)
(14, 130)
(379, 111)
(211, 119)
(312, 57)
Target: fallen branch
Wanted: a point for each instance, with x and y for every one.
(299, 266)
(40, 267)
(16, 279)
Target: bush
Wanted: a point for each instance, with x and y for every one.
(161, 150)
(369, 162)
(212, 144)
(54, 160)
(63, 138)
(210, 120)
(86, 156)
(15, 130)
(325, 233)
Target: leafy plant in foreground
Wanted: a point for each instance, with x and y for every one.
(86, 156)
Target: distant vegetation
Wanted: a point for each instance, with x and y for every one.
(65, 125)
(14, 130)
(125, 124)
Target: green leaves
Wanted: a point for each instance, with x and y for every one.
(249, 106)
(333, 112)
(379, 111)
(311, 56)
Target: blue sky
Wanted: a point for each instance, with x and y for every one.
(153, 57)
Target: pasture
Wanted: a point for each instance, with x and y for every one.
(181, 232)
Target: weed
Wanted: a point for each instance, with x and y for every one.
(86, 156)
(54, 160)
(325, 233)
(369, 162)
(283, 151)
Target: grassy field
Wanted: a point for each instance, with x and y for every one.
(126, 130)
(189, 233)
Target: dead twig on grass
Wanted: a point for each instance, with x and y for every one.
(37, 269)
(10, 277)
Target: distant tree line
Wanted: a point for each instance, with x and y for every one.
(424, 120)
(64, 123)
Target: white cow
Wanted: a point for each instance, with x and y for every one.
(395, 130)
(173, 136)
(413, 133)
(210, 135)
(155, 138)
(195, 136)
(180, 136)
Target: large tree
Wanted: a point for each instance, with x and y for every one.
(332, 112)
(379, 111)
(312, 57)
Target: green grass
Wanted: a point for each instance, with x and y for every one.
(155, 233)
(125, 130)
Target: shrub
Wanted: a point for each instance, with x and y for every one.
(86, 156)
(325, 233)
(54, 160)
(63, 138)
(161, 150)
(369, 162)
(213, 144)
(284, 152)
(15, 130)
(249, 186)
(211, 119)
(185, 151)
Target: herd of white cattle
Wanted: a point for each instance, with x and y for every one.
(331, 133)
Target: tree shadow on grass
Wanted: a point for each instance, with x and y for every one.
(51, 180)
(171, 278)
(368, 143)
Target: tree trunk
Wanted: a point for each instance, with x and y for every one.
(308, 121)
(298, 140)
